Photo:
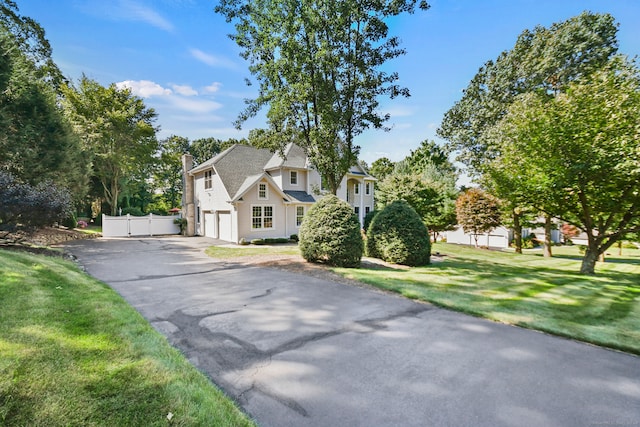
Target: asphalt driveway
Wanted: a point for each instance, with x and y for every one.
(300, 351)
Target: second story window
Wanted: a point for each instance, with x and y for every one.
(208, 180)
(367, 188)
(262, 191)
(293, 177)
(356, 188)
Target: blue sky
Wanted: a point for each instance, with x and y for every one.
(176, 55)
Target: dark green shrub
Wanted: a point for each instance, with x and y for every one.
(258, 242)
(71, 221)
(330, 234)
(397, 234)
(368, 218)
(133, 211)
(276, 240)
(294, 238)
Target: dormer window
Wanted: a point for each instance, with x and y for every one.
(262, 191)
(293, 177)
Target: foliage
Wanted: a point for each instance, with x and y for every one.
(167, 172)
(589, 133)
(330, 234)
(381, 167)
(543, 60)
(133, 211)
(69, 341)
(397, 234)
(317, 64)
(117, 130)
(203, 149)
(36, 143)
(477, 212)
(22, 204)
(368, 218)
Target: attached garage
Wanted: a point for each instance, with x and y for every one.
(210, 225)
(225, 232)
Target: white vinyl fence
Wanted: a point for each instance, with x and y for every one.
(127, 225)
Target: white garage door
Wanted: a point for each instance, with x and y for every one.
(210, 224)
(224, 226)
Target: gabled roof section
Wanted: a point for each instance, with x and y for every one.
(359, 170)
(251, 181)
(294, 158)
(235, 164)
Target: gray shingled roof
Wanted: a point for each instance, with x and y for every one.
(295, 158)
(235, 164)
(300, 196)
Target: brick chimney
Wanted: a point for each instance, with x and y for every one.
(188, 206)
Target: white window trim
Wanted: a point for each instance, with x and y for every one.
(298, 216)
(356, 189)
(210, 187)
(266, 191)
(367, 188)
(273, 216)
(297, 183)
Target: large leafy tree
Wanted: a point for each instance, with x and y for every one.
(117, 130)
(318, 64)
(590, 170)
(36, 143)
(543, 60)
(168, 170)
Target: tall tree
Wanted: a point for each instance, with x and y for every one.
(589, 173)
(545, 59)
(36, 143)
(168, 171)
(117, 130)
(381, 167)
(318, 67)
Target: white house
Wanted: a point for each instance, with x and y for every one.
(250, 193)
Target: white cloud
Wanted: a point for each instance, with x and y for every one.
(126, 10)
(144, 88)
(138, 12)
(212, 60)
(184, 90)
(213, 87)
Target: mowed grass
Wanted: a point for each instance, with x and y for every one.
(225, 252)
(73, 353)
(528, 290)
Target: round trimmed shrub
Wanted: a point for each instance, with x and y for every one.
(397, 234)
(330, 234)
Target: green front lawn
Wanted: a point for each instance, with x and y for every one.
(72, 352)
(528, 290)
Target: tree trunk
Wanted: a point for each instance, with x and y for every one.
(589, 261)
(547, 236)
(517, 232)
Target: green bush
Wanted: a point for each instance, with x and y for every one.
(133, 211)
(330, 234)
(294, 238)
(276, 240)
(70, 222)
(368, 218)
(397, 234)
(258, 242)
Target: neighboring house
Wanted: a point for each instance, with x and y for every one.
(499, 237)
(250, 193)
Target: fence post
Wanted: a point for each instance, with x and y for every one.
(150, 224)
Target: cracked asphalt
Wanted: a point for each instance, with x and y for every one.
(294, 350)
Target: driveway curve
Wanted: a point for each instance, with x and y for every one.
(294, 350)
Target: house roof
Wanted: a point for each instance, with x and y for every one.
(235, 164)
(300, 196)
(294, 158)
(251, 181)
